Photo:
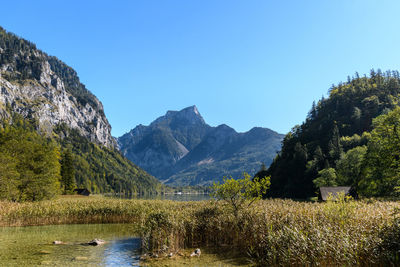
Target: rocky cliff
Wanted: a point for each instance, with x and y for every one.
(49, 96)
(42, 87)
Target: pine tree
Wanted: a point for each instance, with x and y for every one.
(68, 183)
(335, 148)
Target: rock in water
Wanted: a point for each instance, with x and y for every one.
(96, 242)
(196, 252)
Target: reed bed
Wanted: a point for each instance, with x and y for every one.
(273, 232)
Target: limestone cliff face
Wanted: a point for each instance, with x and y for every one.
(38, 86)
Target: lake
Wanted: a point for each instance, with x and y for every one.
(173, 197)
(33, 246)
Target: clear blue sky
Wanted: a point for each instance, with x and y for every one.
(243, 63)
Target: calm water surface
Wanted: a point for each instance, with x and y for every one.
(32, 246)
(175, 197)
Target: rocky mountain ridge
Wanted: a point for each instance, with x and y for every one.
(44, 88)
(41, 94)
(180, 148)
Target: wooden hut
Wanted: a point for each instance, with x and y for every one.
(334, 191)
(82, 192)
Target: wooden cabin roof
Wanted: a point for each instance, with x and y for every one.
(326, 191)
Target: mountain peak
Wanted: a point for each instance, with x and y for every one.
(181, 148)
(186, 116)
(192, 109)
(191, 114)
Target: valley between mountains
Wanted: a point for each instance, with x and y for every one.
(42, 96)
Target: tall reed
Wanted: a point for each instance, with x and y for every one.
(273, 232)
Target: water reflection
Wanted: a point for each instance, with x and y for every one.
(32, 246)
(174, 197)
(122, 252)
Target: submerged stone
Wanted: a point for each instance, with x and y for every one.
(96, 242)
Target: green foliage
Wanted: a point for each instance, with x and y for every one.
(383, 157)
(349, 142)
(240, 193)
(334, 126)
(68, 183)
(9, 178)
(32, 168)
(350, 166)
(104, 170)
(327, 177)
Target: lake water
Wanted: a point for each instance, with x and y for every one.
(175, 197)
(33, 246)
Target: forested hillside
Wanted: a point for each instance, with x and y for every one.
(54, 134)
(104, 170)
(34, 166)
(336, 143)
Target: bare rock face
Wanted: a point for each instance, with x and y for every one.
(180, 148)
(161, 145)
(44, 96)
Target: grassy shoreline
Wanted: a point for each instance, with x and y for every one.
(273, 232)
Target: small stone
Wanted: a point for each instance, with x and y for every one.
(58, 242)
(96, 242)
(170, 255)
(196, 252)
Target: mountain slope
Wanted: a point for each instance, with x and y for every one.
(42, 87)
(181, 149)
(159, 146)
(333, 126)
(48, 94)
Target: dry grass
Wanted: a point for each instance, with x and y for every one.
(273, 232)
